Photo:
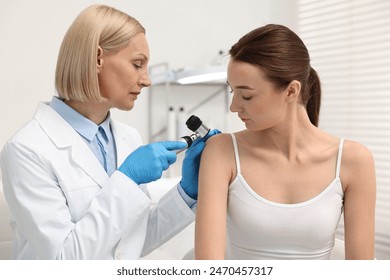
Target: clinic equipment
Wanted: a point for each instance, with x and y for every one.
(196, 125)
(200, 131)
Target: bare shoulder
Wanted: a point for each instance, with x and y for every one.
(220, 141)
(218, 154)
(357, 164)
(354, 153)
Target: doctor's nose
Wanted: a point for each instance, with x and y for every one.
(144, 80)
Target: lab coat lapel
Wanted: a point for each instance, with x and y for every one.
(83, 157)
(125, 144)
(65, 137)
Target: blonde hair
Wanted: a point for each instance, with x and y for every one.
(76, 75)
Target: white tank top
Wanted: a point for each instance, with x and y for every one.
(261, 229)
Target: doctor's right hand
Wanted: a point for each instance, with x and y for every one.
(147, 163)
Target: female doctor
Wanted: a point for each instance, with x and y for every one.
(73, 177)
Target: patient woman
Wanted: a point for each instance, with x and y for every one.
(277, 189)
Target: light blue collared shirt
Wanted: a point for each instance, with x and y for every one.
(99, 138)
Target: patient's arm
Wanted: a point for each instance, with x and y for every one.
(358, 178)
(215, 174)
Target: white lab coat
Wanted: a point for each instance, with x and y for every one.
(64, 205)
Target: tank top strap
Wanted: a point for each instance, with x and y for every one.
(340, 153)
(238, 166)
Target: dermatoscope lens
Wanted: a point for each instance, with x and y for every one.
(200, 130)
(196, 125)
(193, 123)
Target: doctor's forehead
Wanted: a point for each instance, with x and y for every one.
(139, 45)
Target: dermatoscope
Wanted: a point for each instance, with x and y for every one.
(200, 131)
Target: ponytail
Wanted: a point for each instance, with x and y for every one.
(313, 92)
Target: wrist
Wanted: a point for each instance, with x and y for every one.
(128, 174)
(189, 190)
(187, 199)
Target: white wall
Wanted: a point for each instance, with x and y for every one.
(183, 33)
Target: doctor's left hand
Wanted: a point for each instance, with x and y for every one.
(147, 163)
(191, 163)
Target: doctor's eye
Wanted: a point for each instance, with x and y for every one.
(138, 64)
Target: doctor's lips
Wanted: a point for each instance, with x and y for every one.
(243, 119)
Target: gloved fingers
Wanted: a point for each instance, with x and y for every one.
(195, 150)
(164, 164)
(173, 145)
(170, 158)
(210, 134)
(196, 142)
(166, 156)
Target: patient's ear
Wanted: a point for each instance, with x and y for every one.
(99, 59)
(293, 91)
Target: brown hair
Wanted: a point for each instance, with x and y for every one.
(98, 25)
(282, 55)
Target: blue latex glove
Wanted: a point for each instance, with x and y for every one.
(191, 163)
(147, 163)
